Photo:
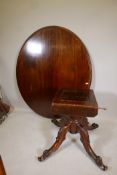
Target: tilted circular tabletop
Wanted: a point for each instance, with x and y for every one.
(52, 58)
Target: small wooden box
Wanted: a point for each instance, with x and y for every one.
(75, 103)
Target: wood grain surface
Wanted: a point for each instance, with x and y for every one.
(51, 59)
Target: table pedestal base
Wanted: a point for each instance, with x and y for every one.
(81, 126)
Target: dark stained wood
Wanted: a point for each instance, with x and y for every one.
(75, 103)
(2, 170)
(59, 139)
(74, 106)
(73, 126)
(52, 58)
(54, 76)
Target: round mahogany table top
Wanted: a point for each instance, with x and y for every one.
(51, 59)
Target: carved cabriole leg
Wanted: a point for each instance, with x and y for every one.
(73, 125)
(60, 138)
(85, 140)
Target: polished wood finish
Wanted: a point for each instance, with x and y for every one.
(75, 106)
(74, 126)
(75, 103)
(54, 77)
(2, 170)
(52, 58)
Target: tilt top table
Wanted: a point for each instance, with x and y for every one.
(54, 76)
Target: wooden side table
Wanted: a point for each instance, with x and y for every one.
(2, 170)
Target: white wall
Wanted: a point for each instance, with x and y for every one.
(94, 21)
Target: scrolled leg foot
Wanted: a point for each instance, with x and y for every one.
(44, 156)
(93, 126)
(86, 142)
(60, 138)
(99, 162)
(56, 122)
